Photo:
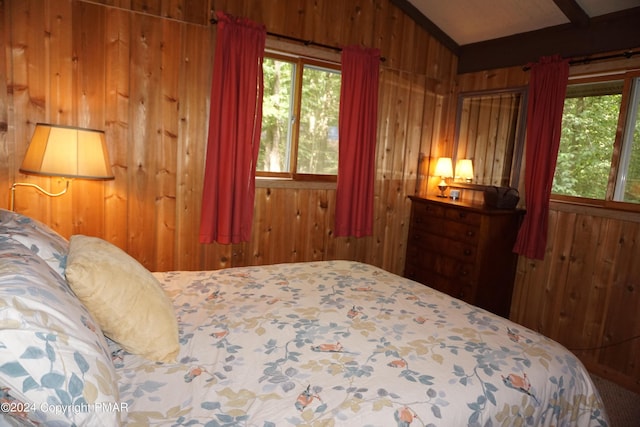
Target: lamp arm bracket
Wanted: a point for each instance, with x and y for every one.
(37, 187)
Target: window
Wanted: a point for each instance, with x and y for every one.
(599, 154)
(300, 119)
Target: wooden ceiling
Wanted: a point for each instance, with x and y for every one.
(488, 34)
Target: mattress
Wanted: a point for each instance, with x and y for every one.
(347, 344)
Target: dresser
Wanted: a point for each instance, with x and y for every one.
(464, 250)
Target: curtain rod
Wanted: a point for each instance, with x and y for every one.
(628, 54)
(298, 40)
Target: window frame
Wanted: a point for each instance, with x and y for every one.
(617, 156)
(300, 60)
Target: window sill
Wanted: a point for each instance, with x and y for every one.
(600, 208)
(294, 184)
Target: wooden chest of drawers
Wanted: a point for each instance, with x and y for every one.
(464, 251)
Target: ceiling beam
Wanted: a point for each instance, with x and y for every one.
(573, 12)
(605, 33)
(435, 31)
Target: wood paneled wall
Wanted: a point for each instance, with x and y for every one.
(586, 292)
(141, 71)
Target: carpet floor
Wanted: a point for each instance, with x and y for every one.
(622, 405)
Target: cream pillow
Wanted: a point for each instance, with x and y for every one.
(126, 300)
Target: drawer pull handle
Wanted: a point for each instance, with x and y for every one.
(462, 214)
(470, 233)
(467, 252)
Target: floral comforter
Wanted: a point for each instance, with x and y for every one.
(344, 343)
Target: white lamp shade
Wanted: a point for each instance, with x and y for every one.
(464, 169)
(444, 167)
(69, 152)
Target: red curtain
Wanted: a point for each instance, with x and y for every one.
(235, 123)
(547, 90)
(357, 150)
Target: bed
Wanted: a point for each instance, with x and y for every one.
(304, 344)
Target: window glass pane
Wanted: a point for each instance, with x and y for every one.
(630, 164)
(589, 123)
(275, 139)
(318, 135)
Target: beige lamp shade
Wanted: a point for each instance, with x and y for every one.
(444, 167)
(68, 152)
(464, 169)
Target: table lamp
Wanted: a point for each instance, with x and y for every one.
(444, 169)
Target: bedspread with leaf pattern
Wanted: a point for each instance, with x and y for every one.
(345, 343)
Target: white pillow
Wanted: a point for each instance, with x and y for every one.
(126, 300)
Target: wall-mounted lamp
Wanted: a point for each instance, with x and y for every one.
(444, 169)
(464, 170)
(67, 152)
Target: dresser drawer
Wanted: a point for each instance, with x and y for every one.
(423, 212)
(443, 227)
(443, 245)
(464, 250)
(463, 216)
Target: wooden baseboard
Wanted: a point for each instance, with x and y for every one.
(623, 380)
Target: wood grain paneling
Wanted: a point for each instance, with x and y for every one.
(7, 144)
(193, 119)
(585, 293)
(141, 70)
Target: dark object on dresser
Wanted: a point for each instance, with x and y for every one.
(501, 197)
(464, 250)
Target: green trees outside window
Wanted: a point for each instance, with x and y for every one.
(595, 161)
(300, 118)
